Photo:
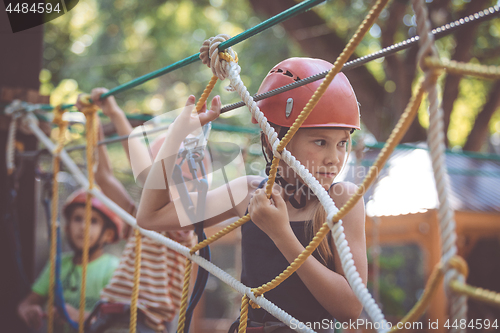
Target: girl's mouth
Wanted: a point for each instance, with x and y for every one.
(327, 174)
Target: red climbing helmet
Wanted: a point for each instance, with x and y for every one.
(155, 148)
(80, 197)
(338, 107)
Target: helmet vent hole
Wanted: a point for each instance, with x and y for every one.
(279, 70)
(297, 79)
(289, 74)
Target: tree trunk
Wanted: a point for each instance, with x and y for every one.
(479, 133)
(464, 39)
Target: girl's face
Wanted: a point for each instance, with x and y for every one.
(321, 150)
(76, 228)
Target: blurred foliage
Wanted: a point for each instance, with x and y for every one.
(109, 43)
(401, 278)
(343, 17)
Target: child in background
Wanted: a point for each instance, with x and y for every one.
(105, 228)
(283, 225)
(162, 269)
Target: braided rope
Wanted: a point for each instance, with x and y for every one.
(337, 66)
(399, 131)
(456, 67)
(479, 294)
(137, 279)
(90, 111)
(220, 234)
(11, 144)
(184, 300)
(435, 141)
(242, 328)
(206, 93)
(54, 225)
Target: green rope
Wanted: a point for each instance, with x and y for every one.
(289, 13)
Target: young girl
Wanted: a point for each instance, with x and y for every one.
(105, 228)
(283, 225)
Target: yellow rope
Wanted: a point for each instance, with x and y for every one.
(58, 112)
(476, 293)
(344, 56)
(337, 66)
(455, 67)
(90, 111)
(226, 56)
(137, 278)
(185, 291)
(221, 233)
(242, 328)
(422, 304)
(206, 93)
(460, 265)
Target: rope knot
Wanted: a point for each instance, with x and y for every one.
(460, 265)
(88, 107)
(216, 60)
(58, 116)
(252, 303)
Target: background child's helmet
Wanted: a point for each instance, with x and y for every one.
(338, 107)
(80, 197)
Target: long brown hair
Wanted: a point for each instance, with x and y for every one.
(311, 227)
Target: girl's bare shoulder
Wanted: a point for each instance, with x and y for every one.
(341, 192)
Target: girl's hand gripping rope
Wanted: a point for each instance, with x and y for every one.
(270, 215)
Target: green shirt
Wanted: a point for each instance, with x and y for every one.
(99, 272)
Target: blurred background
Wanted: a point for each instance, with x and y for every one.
(110, 42)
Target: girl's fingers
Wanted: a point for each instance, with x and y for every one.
(190, 101)
(278, 200)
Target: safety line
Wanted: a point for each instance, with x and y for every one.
(440, 32)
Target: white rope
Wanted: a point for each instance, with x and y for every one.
(436, 144)
(13, 109)
(210, 267)
(11, 144)
(341, 244)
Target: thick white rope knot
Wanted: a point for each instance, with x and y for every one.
(210, 56)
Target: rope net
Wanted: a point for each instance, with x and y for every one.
(224, 65)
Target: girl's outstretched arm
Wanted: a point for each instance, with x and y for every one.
(330, 288)
(157, 210)
(104, 176)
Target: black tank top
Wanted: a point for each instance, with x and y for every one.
(262, 261)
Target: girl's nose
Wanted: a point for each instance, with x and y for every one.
(331, 157)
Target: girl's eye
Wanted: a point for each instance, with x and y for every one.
(342, 143)
(78, 218)
(320, 142)
(94, 220)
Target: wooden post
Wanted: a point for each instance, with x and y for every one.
(20, 65)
